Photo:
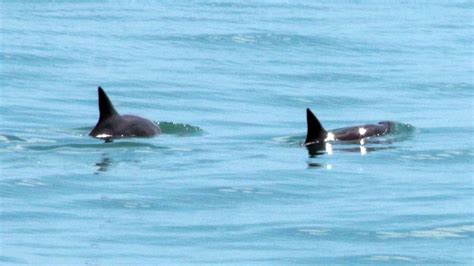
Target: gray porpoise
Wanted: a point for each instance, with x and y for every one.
(318, 135)
(112, 125)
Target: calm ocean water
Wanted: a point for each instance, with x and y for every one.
(229, 182)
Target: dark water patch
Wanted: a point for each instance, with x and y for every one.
(237, 5)
(8, 259)
(41, 189)
(264, 41)
(441, 130)
(322, 77)
(429, 156)
(104, 164)
(32, 59)
(11, 138)
(115, 203)
(83, 129)
(233, 124)
(236, 195)
(375, 259)
(426, 218)
(200, 199)
(8, 185)
(329, 102)
(441, 89)
(344, 149)
(86, 15)
(35, 215)
(291, 141)
(450, 26)
(180, 19)
(136, 203)
(426, 198)
(462, 5)
(116, 144)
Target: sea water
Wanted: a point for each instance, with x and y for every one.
(229, 182)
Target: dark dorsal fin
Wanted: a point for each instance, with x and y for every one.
(316, 131)
(106, 108)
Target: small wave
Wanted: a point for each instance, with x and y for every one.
(401, 131)
(437, 233)
(390, 258)
(30, 182)
(82, 128)
(243, 39)
(10, 138)
(110, 145)
(179, 129)
(436, 155)
(242, 190)
(314, 231)
(290, 140)
(7, 259)
(118, 203)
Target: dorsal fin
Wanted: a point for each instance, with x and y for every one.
(316, 131)
(106, 107)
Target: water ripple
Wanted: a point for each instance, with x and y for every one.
(434, 233)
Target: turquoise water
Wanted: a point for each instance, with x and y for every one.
(228, 182)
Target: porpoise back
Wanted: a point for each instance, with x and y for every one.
(316, 133)
(112, 125)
